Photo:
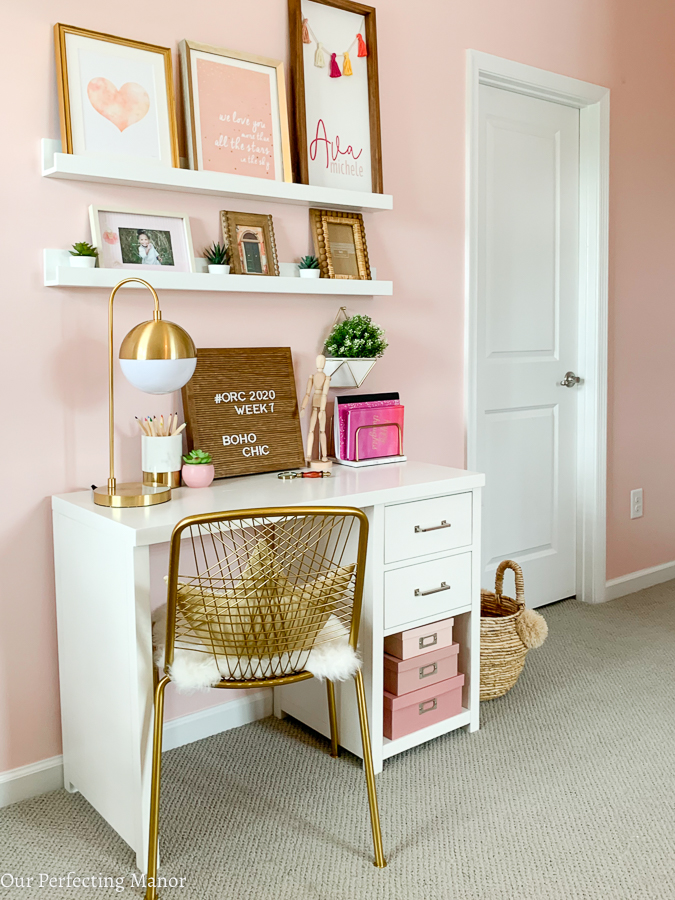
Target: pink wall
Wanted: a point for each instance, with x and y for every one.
(53, 357)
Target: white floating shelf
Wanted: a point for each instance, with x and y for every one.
(58, 273)
(239, 187)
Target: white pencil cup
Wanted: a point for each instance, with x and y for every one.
(162, 459)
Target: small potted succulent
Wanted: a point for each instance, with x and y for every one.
(309, 267)
(198, 469)
(83, 255)
(352, 349)
(218, 258)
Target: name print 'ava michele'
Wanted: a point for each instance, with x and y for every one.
(333, 152)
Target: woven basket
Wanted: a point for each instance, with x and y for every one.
(502, 652)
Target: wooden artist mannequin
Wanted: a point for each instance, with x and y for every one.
(317, 389)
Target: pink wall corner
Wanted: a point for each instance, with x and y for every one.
(54, 368)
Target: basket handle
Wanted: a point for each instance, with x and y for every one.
(520, 583)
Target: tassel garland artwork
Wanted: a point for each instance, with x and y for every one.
(334, 68)
(319, 57)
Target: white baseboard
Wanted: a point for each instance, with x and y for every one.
(248, 708)
(638, 581)
(47, 775)
(29, 781)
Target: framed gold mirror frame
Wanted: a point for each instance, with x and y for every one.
(340, 244)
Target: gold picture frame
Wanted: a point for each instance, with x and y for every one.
(87, 95)
(191, 54)
(340, 244)
(250, 238)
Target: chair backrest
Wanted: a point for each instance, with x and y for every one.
(259, 588)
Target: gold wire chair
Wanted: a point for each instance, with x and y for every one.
(255, 593)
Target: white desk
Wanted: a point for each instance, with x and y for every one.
(102, 563)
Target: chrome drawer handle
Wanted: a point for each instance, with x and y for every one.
(424, 708)
(443, 587)
(428, 640)
(426, 671)
(444, 524)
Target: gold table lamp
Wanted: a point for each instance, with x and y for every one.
(157, 357)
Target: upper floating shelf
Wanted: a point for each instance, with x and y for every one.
(134, 174)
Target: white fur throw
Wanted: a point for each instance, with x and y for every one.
(192, 670)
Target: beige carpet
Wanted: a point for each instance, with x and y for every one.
(566, 793)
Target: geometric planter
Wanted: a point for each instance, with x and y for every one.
(348, 373)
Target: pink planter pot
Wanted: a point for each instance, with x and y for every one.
(198, 476)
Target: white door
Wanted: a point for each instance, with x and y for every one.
(526, 339)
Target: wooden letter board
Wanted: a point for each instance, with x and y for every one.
(241, 407)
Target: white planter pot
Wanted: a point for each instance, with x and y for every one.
(218, 270)
(348, 372)
(83, 262)
(310, 273)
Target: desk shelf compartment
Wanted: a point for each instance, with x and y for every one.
(59, 273)
(71, 167)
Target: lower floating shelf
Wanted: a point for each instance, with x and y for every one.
(391, 748)
(58, 273)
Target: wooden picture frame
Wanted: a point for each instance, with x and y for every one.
(116, 101)
(305, 132)
(117, 232)
(241, 406)
(331, 227)
(251, 120)
(250, 237)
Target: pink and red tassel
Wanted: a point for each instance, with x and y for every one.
(334, 68)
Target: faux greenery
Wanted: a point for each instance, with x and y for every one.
(357, 337)
(217, 255)
(308, 262)
(82, 248)
(197, 458)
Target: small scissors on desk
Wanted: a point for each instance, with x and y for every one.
(285, 476)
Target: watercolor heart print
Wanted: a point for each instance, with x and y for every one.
(123, 107)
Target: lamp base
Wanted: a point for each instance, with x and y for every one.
(131, 494)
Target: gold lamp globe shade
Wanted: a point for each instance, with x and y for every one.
(157, 357)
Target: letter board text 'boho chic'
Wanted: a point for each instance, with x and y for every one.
(241, 406)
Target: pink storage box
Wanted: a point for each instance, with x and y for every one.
(404, 675)
(418, 709)
(410, 643)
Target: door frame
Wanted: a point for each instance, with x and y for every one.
(592, 101)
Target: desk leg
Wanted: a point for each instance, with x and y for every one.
(105, 669)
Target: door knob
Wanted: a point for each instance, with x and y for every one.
(570, 380)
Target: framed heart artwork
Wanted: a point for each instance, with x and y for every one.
(116, 97)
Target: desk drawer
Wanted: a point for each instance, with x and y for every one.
(441, 585)
(427, 526)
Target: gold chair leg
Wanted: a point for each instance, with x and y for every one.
(332, 715)
(380, 861)
(151, 890)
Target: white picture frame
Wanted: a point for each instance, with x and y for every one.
(236, 116)
(167, 245)
(116, 98)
